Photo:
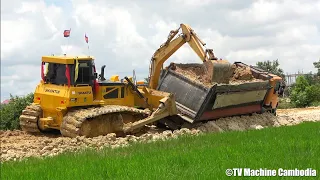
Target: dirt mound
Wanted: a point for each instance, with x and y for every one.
(16, 145)
(259, 121)
(194, 72)
(242, 73)
(200, 74)
(4, 134)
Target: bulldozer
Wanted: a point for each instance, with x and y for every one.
(72, 98)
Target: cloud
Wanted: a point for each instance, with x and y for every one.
(124, 34)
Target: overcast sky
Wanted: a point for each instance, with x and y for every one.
(124, 34)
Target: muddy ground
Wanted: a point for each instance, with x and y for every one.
(17, 145)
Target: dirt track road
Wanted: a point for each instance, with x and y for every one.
(305, 114)
(16, 145)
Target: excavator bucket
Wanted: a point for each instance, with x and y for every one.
(219, 71)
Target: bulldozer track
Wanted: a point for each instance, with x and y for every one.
(77, 122)
(29, 118)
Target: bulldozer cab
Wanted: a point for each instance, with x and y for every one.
(71, 71)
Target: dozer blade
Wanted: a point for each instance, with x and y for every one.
(166, 108)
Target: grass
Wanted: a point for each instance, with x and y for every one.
(196, 157)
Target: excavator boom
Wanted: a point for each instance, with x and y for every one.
(173, 43)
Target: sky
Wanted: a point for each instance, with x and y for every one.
(124, 34)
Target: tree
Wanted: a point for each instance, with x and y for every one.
(272, 67)
(310, 78)
(317, 66)
(11, 112)
(304, 94)
(298, 95)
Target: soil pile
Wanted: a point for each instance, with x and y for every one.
(242, 73)
(202, 75)
(285, 117)
(17, 145)
(194, 72)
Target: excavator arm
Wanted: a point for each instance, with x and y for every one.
(172, 44)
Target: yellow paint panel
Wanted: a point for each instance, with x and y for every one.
(114, 78)
(65, 59)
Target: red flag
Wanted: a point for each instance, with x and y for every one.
(86, 38)
(66, 33)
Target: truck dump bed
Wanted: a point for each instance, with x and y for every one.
(200, 102)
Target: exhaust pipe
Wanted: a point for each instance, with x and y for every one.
(102, 73)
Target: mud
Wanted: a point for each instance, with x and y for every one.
(17, 145)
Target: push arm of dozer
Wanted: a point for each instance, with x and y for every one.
(171, 46)
(166, 108)
(135, 89)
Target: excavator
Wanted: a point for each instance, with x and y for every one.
(197, 102)
(72, 98)
(220, 70)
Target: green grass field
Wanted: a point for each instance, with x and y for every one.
(198, 157)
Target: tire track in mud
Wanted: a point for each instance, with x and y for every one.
(17, 145)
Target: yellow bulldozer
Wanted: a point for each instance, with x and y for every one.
(69, 98)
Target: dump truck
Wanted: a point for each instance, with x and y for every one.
(72, 98)
(214, 97)
(198, 102)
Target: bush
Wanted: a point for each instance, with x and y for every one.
(11, 112)
(285, 103)
(304, 94)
